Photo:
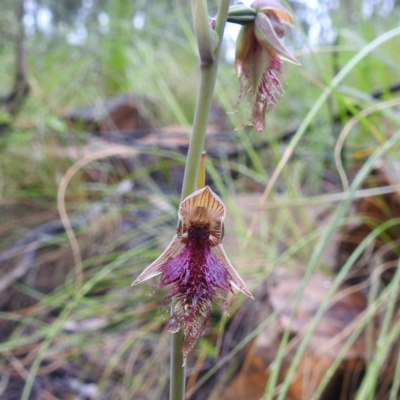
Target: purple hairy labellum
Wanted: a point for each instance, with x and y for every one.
(196, 266)
(259, 56)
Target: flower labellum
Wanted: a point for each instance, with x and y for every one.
(196, 266)
(259, 55)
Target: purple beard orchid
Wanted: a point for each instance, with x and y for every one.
(259, 55)
(196, 266)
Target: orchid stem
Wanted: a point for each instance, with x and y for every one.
(208, 67)
(207, 83)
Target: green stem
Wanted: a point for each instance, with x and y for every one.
(203, 31)
(209, 67)
(204, 99)
(177, 373)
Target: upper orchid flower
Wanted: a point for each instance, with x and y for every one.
(196, 266)
(259, 54)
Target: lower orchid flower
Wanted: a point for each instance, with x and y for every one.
(196, 266)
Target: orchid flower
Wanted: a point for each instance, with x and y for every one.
(196, 266)
(259, 54)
